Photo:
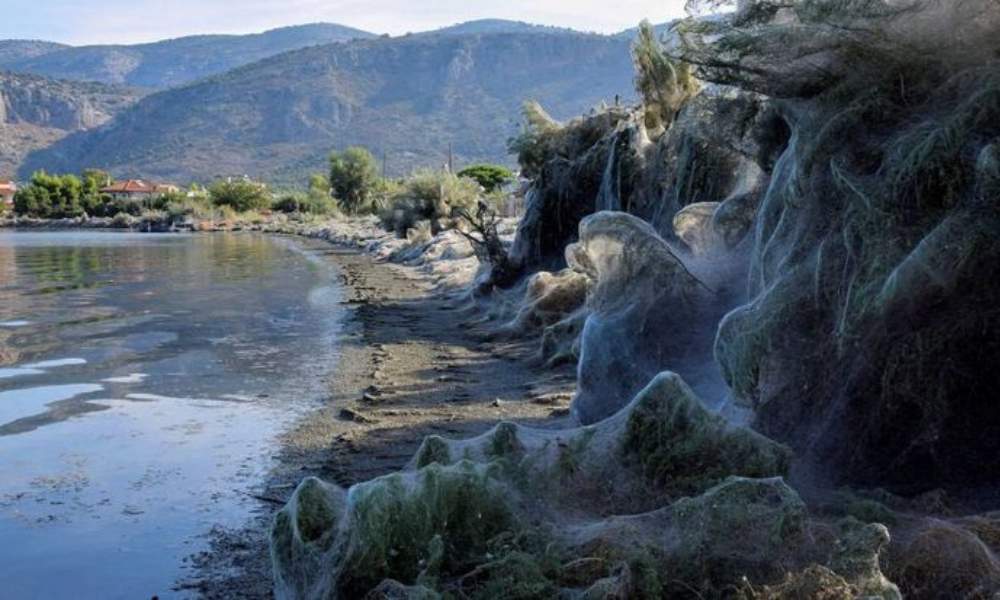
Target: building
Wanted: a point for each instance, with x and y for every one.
(7, 191)
(137, 189)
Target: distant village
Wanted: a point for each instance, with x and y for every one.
(130, 189)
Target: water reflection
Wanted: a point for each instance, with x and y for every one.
(143, 379)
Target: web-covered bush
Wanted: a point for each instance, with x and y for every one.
(875, 271)
(428, 195)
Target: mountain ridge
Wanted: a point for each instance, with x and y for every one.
(278, 118)
(177, 61)
(36, 111)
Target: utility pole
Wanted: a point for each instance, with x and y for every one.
(385, 159)
(451, 159)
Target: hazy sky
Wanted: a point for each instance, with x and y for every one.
(130, 21)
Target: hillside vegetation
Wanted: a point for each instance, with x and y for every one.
(277, 119)
(166, 63)
(14, 50)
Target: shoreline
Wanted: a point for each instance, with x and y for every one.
(410, 363)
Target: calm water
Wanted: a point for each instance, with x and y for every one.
(143, 380)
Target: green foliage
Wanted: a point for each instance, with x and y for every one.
(95, 203)
(433, 450)
(240, 195)
(50, 197)
(316, 201)
(515, 576)
(429, 196)
(504, 443)
(571, 455)
(533, 144)
(680, 444)
(353, 178)
(491, 177)
(663, 83)
(448, 514)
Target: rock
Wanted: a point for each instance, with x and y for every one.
(349, 414)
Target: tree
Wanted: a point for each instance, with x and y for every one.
(491, 177)
(95, 203)
(50, 197)
(353, 177)
(536, 140)
(663, 83)
(241, 195)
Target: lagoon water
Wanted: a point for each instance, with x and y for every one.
(143, 381)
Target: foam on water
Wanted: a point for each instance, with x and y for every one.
(14, 324)
(52, 364)
(132, 378)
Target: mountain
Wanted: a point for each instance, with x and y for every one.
(15, 50)
(660, 29)
(37, 111)
(175, 62)
(496, 26)
(410, 97)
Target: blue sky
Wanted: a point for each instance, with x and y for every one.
(130, 21)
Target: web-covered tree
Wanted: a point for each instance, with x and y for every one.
(664, 84)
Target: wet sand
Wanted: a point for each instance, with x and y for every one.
(413, 361)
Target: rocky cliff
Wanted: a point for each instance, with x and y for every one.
(37, 111)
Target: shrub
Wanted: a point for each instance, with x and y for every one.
(316, 201)
(299, 202)
(385, 192)
(487, 244)
(162, 201)
(240, 195)
(491, 177)
(127, 206)
(353, 178)
(433, 196)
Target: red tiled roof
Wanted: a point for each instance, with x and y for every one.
(131, 185)
(7, 186)
(137, 186)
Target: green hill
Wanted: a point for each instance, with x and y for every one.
(409, 97)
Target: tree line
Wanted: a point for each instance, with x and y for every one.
(352, 185)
